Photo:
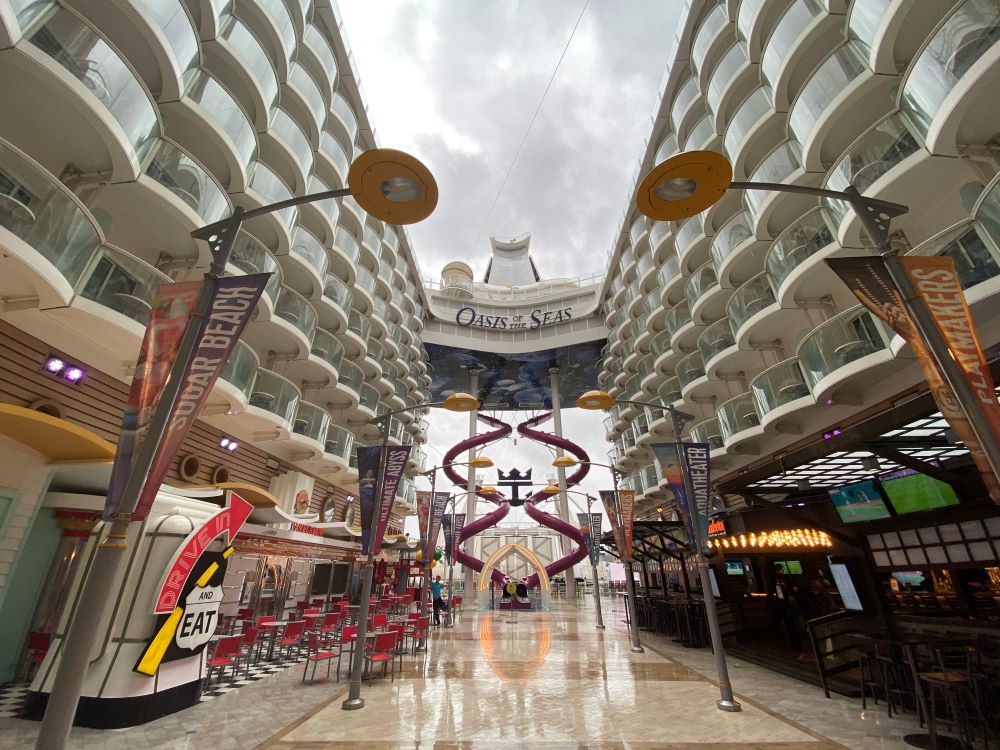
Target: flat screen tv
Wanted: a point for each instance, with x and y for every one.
(910, 491)
(735, 569)
(791, 567)
(860, 501)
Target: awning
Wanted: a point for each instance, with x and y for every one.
(58, 439)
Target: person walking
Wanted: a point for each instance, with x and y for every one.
(437, 588)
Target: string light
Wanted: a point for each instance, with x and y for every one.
(777, 538)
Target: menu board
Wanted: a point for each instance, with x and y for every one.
(848, 594)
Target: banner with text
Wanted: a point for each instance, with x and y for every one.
(583, 521)
(438, 503)
(596, 524)
(457, 534)
(423, 513)
(937, 283)
(368, 457)
(395, 464)
(693, 510)
(229, 310)
(627, 500)
(608, 498)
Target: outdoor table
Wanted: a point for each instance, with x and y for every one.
(274, 627)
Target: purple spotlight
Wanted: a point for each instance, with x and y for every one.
(827, 435)
(74, 374)
(836, 433)
(54, 365)
(233, 445)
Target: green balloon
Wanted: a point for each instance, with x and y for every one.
(438, 554)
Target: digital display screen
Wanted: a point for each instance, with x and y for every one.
(735, 569)
(860, 501)
(910, 580)
(848, 594)
(792, 567)
(911, 492)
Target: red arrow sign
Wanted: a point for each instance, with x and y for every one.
(227, 521)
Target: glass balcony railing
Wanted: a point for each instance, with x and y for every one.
(701, 134)
(345, 242)
(837, 342)
(281, 19)
(700, 282)
(274, 190)
(42, 212)
(864, 23)
(753, 297)
(381, 309)
(732, 63)
(716, 339)
(738, 414)
(668, 147)
(669, 271)
(354, 207)
(969, 32)
(670, 391)
(731, 236)
(778, 166)
(649, 478)
(683, 100)
(292, 135)
(364, 279)
(180, 35)
(339, 442)
(241, 369)
(778, 385)
(311, 94)
(658, 232)
(310, 251)
(121, 282)
(330, 207)
(92, 61)
(690, 369)
(187, 179)
(311, 421)
(276, 394)
(678, 317)
(746, 16)
(708, 432)
(251, 256)
(391, 239)
(687, 233)
(645, 263)
(706, 34)
(293, 308)
(754, 107)
(644, 368)
(249, 52)
(223, 111)
(871, 156)
(375, 351)
(340, 107)
(836, 74)
(326, 346)
(369, 397)
(321, 48)
(360, 326)
(786, 33)
(351, 376)
(337, 292)
(330, 147)
(801, 240)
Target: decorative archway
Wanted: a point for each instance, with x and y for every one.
(513, 548)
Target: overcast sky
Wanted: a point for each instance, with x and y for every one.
(457, 83)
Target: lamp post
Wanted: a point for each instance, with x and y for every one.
(458, 402)
(688, 183)
(594, 539)
(392, 186)
(604, 401)
(477, 462)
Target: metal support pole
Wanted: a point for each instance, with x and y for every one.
(629, 583)
(563, 502)
(727, 701)
(426, 565)
(468, 583)
(595, 539)
(448, 622)
(102, 576)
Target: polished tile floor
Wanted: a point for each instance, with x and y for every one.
(534, 680)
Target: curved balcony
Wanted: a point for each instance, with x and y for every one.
(660, 236)
(335, 157)
(800, 40)
(738, 419)
(306, 101)
(771, 212)
(798, 249)
(353, 214)
(747, 141)
(638, 230)
(274, 399)
(689, 237)
(273, 25)
(351, 378)
(779, 390)
(749, 301)
(690, 370)
(320, 60)
(702, 135)
(287, 146)
(329, 351)
(364, 289)
(238, 58)
(344, 258)
(272, 229)
(709, 432)
(707, 39)
(311, 422)
(714, 342)
(185, 179)
(93, 99)
(370, 399)
(702, 294)
(339, 444)
(842, 349)
(335, 305)
(250, 256)
(121, 282)
(754, 21)
(360, 330)
(678, 321)
(945, 94)
(343, 119)
(729, 247)
(670, 281)
(730, 82)
(667, 148)
(295, 309)
(306, 265)
(669, 391)
(237, 378)
(659, 348)
(838, 102)
(682, 105)
(320, 217)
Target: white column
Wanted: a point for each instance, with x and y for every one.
(562, 504)
(470, 499)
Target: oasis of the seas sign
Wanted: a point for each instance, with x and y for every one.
(467, 316)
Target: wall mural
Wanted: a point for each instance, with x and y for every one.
(516, 381)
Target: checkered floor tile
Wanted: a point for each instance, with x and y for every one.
(246, 678)
(12, 697)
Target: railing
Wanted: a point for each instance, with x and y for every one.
(482, 290)
(832, 645)
(311, 421)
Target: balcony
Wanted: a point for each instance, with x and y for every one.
(670, 391)
(305, 266)
(690, 369)
(267, 187)
(339, 444)
(243, 66)
(250, 256)
(352, 378)
(329, 351)
(287, 145)
(306, 101)
(746, 140)
(685, 97)
(689, 236)
(294, 310)
(335, 305)
(801, 39)
(771, 212)
(320, 60)
(702, 135)
(755, 20)
(311, 422)
(709, 432)
(369, 398)
(273, 25)
(121, 282)
(237, 378)
(730, 82)
(738, 419)
(678, 319)
(670, 281)
(796, 250)
(343, 119)
(843, 348)
(275, 398)
(730, 246)
(706, 40)
(185, 179)
(749, 301)
(714, 342)
(779, 390)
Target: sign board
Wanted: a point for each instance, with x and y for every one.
(470, 317)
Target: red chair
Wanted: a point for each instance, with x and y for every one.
(328, 629)
(226, 653)
(456, 602)
(377, 622)
(348, 637)
(266, 618)
(38, 646)
(379, 651)
(313, 621)
(400, 646)
(310, 611)
(317, 653)
(248, 643)
(292, 637)
(418, 631)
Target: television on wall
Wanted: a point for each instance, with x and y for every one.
(910, 491)
(791, 567)
(735, 569)
(860, 501)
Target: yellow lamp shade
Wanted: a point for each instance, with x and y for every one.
(461, 402)
(488, 490)
(480, 462)
(392, 186)
(684, 185)
(596, 400)
(551, 490)
(565, 462)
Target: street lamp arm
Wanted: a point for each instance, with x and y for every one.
(778, 187)
(208, 230)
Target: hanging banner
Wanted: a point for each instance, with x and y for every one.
(938, 285)
(457, 537)
(368, 456)
(423, 511)
(596, 524)
(446, 525)
(693, 510)
(171, 313)
(626, 499)
(395, 463)
(583, 519)
(608, 498)
(229, 311)
(438, 503)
